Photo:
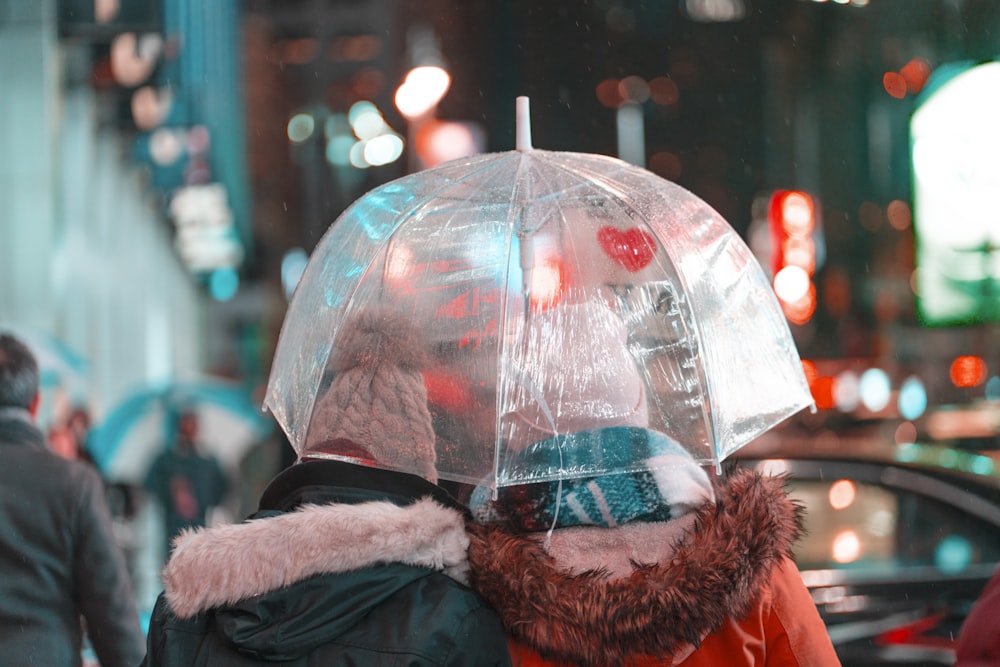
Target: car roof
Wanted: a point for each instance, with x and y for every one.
(974, 471)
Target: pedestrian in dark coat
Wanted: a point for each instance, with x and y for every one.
(344, 563)
(63, 573)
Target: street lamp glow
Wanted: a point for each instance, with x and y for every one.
(422, 90)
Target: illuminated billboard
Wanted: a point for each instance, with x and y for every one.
(955, 152)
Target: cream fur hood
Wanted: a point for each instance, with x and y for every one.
(224, 564)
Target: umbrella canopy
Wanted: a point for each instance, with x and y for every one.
(141, 426)
(556, 293)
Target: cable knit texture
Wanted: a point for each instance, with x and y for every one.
(377, 398)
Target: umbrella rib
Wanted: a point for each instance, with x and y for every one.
(515, 208)
(619, 198)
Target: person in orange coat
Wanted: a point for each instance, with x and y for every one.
(662, 567)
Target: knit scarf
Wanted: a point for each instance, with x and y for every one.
(603, 477)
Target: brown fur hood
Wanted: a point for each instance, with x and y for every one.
(228, 563)
(692, 580)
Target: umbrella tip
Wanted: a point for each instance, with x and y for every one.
(523, 124)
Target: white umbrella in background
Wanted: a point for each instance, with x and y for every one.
(141, 426)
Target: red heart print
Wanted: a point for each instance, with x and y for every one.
(632, 248)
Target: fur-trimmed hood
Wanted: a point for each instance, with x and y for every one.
(224, 564)
(686, 584)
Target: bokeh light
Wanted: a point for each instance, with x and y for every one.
(166, 146)
(609, 93)
(915, 73)
(791, 283)
(292, 265)
(953, 554)
(912, 398)
(366, 120)
(133, 57)
(422, 89)
(300, 127)
(383, 149)
(663, 91)
(899, 214)
(634, 89)
(150, 106)
(439, 141)
(822, 392)
(106, 10)
(797, 213)
(846, 547)
(796, 293)
(847, 391)
(894, 84)
(875, 389)
(842, 494)
(223, 284)
(357, 155)
(967, 371)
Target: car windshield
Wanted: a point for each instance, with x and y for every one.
(862, 526)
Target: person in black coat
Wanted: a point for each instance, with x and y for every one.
(355, 556)
(63, 573)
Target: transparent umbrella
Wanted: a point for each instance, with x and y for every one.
(557, 293)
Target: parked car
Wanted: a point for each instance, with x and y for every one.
(898, 545)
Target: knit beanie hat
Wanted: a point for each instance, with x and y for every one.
(669, 483)
(377, 399)
(569, 382)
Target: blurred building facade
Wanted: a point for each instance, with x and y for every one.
(85, 255)
(105, 121)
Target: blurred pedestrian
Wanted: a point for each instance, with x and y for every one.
(79, 424)
(979, 638)
(663, 565)
(63, 574)
(185, 482)
(63, 442)
(355, 556)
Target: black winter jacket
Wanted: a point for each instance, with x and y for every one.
(341, 565)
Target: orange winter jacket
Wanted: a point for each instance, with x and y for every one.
(722, 590)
